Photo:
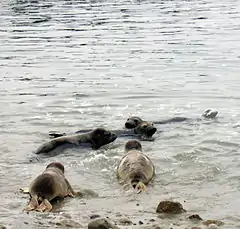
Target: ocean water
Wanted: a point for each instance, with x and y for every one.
(71, 65)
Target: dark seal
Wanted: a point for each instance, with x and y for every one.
(96, 138)
(47, 186)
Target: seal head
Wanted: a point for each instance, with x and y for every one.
(57, 165)
(132, 122)
(100, 137)
(133, 144)
(145, 128)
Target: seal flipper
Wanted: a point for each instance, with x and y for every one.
(71, 193)
(55, 134)
(33, 204)
(139, 187)
(25, 190)
(45, 206)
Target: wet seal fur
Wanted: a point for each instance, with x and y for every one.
(135, 168)
(140, 127)
(47, 186)
(95, 139)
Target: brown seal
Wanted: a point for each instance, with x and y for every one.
(95, 139)
(132, 122)
(145, 128)
(140, 127)
(135, 168)
(47, 186)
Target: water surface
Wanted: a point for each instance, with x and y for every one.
(69, 65)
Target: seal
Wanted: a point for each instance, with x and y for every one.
(135, 168)
(134, 127)
(96, 138)
(137, 127)
(145, 129)
(134, 121)
(47, 186)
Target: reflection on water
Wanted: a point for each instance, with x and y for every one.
(70, 65)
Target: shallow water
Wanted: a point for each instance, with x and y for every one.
(68, 65)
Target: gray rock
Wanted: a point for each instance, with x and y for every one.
(170, 207)
(195, 217)
(125, 221)
(101, 224)
(68, 224)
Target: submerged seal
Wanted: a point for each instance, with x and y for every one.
(47, 186)
(135, 168)
(95, 139)
(134, 121)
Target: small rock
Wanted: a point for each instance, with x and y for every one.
(88, 193)
(152, 220)
(101, 224)
(196, 228)
(195, 217)
(213, 221)
(2, 227)
(68, 223)
(170, 207)
(118, 214)
(212, 226)
(125, 221)
(140, 222)
(95, 216)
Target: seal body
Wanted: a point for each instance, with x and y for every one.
(95, 139)
(135, 168)
(47, 186)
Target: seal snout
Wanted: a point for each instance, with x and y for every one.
(151, 130)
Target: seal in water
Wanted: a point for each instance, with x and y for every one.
(47, 186)
(95, 139)
(134, 121)
(135, 168)
(142, 129)
(135, 126)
